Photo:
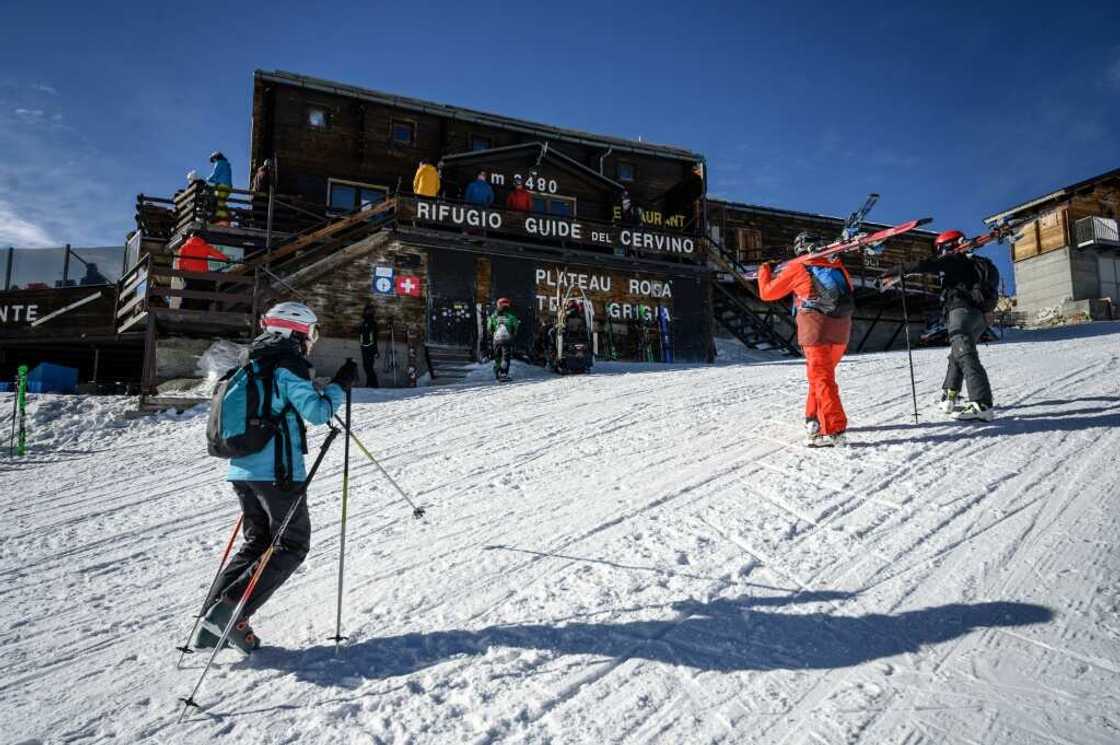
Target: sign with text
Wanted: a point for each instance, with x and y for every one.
(630, 239)
(621, 296)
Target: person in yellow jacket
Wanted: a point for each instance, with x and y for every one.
(426, 181)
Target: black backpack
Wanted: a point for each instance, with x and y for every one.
(984, 293)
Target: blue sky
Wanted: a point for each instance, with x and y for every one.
(954, 110)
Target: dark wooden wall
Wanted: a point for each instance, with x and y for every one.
(356, 146)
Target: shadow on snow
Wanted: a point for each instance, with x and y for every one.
(722, 635)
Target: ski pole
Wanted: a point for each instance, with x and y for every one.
(186, 648)
(338, 638)
(262, 563)
(417, 512)
(15, 412)
(909, 352)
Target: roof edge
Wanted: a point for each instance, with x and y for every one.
(495, 120)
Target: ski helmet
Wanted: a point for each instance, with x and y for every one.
(947, 240)
(806, 242)
(503, 303)
(286, 319)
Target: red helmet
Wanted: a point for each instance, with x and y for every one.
(947, 240)
(504, 302)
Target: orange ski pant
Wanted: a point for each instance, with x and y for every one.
(823, 401)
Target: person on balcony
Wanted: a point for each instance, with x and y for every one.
(426, 181)
(221, 178)
(823, 303)
(262, 184)
(479, 192)
(194, 256)
(367, 338)
(519, 200)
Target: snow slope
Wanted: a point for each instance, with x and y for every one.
(639, 555)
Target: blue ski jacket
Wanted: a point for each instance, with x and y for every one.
(479, 193)
(307, 402)
(222, 175)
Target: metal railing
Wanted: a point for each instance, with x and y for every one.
(1097, 231)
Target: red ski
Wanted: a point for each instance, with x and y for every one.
(842, 246)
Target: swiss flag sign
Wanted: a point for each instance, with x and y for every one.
(408, 284)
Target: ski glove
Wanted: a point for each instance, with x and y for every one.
(347, 375)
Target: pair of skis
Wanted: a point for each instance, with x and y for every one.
(863, 241)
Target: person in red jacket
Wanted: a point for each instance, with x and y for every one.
(194, 256)
(823, 306)
(519, 200)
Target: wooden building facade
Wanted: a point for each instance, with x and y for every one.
(614, 223)
(1066, 253)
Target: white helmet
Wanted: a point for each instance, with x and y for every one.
(290, 318)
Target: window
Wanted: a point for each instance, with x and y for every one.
(317, 118)
(552, 205)
(626, 171)
(349, 196)
(402, 132)
(748, 244)
(478, 142)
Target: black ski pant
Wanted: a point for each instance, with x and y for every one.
(502, 354)
(369, 363)
(965, 327)
(264, 507)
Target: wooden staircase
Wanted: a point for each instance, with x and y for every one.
(732, 309)
(450, 365)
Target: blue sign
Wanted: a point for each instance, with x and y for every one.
(383, 280)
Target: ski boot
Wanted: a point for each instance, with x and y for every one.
(240, 636)
(818, 440)
(974, 411)
(948, 402)
(205, 640)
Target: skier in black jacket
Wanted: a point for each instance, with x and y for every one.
(367, 337)
(965, 322)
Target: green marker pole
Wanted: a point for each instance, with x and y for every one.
(21, 402)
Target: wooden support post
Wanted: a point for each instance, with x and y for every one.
(148, 374)
(897, 331)
(867, 334)
(96, 364)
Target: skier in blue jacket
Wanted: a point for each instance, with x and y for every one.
(269, 481)
(479, 192)
(221, 178)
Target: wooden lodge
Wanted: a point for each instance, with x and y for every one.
(1066, 251)
(623, 226)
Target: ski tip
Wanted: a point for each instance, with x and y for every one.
(873, 195)
(924, 221)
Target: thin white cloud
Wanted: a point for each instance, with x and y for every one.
(46, 88)
(18, 232)
(30, 113)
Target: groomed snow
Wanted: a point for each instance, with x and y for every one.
(644, 554)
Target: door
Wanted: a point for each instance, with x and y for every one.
(451, 320)
(1109, 272)
(516, 279)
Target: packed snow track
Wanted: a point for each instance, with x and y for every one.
(645, 554)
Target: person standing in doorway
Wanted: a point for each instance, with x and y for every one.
(262, 184)
(502, 326)
(367, 338)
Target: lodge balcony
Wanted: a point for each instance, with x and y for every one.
(1097, 232)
